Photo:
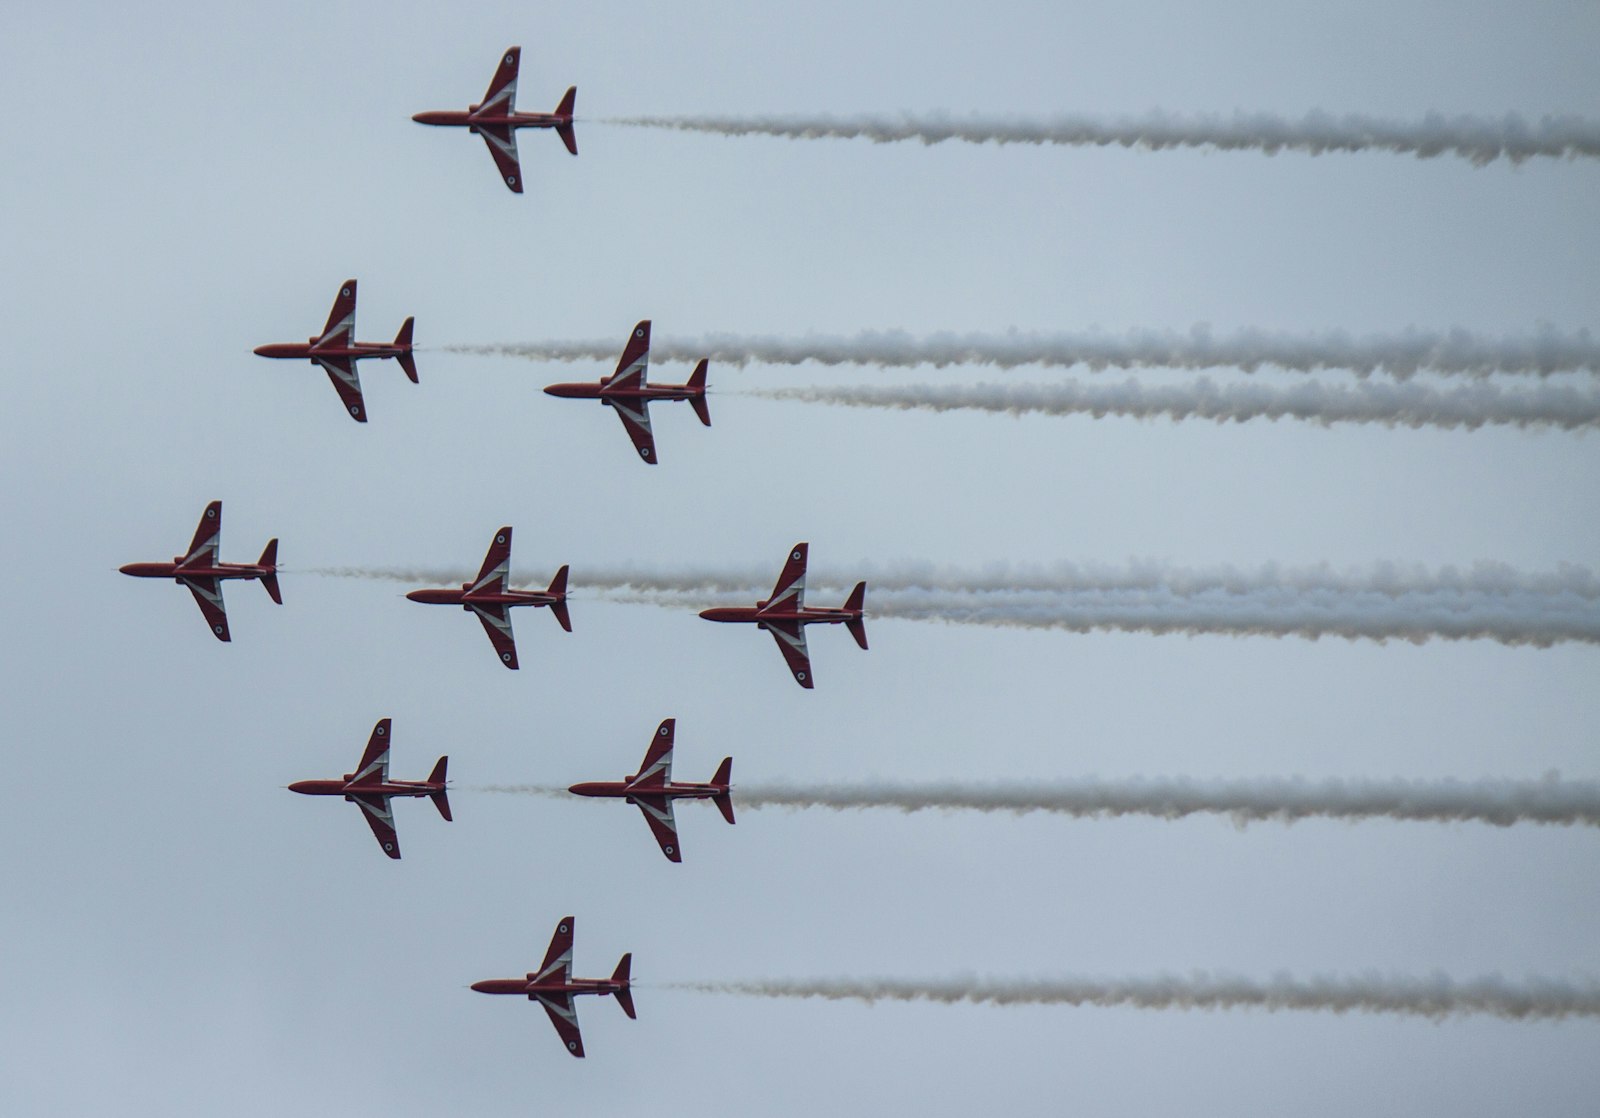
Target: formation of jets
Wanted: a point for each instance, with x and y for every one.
(490, 596)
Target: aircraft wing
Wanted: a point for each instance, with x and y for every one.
(557, 965)
(791, 638)
(342, 372)
(658, 813)
(636, 421)
(564, 1016)
(790, 590)
(341, 325)
(656, 768)
(208, 596)
(496, 563)
(501, 96)
(633, 366)
(375, 809)
(497, 623)
(502, 141)
(207, 539)
(374, 767)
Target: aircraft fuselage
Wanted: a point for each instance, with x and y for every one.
(344, 788)
(531, 989)
(759, 616)
(589, 390)
(174, 570)
(310, 351)
(471, 119)
(627, 790)
(466, 599)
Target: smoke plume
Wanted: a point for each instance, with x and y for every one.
(1402, 354)
(1435, 997)
(1412, 405)
(1500, 803)
(1385, 602)
(1481, 140)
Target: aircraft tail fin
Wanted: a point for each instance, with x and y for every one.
(857, 602)
(564, 130)
(403, 339)
(269, 559)
(625, 995)
(697, 381)
(441, 798)
(724, 777)
(558, 588)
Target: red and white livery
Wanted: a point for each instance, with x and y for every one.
(370, 788)
(628, 393)
(553, 987)
(203, 573)
(496, 119)
(785, 615)
(337, 351)
(492, 599)
(652, 790)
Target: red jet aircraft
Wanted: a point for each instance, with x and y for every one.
(497, 120)
(203, 573)
(337, 351)
(492, 600)
(554, 987)
(370, 788)
(626, 392)
(785, 614)
(652, 789)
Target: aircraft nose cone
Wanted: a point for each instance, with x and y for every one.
(126, 568)
(300, 786)
(484, 986)
(413, 596)
(258, 351)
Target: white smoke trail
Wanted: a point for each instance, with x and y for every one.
(1435, 997)
(1500, 803)
(1271, 606)
(1468, 406)
(1482, 579)
(1402, 354)
(1479, 139)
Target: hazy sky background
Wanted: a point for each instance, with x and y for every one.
(183, 935)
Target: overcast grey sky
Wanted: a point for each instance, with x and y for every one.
(184, 936)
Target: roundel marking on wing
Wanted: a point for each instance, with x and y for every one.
(500, 537)
(382, 729)
(562, 928)
(662, 731)
(795, 555)
(344, 292)
(506, 656)
(668, 849)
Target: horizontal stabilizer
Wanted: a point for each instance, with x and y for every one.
(625, 995)
(269, 559)
(698, 401)
(564, 129)
(403, 340)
